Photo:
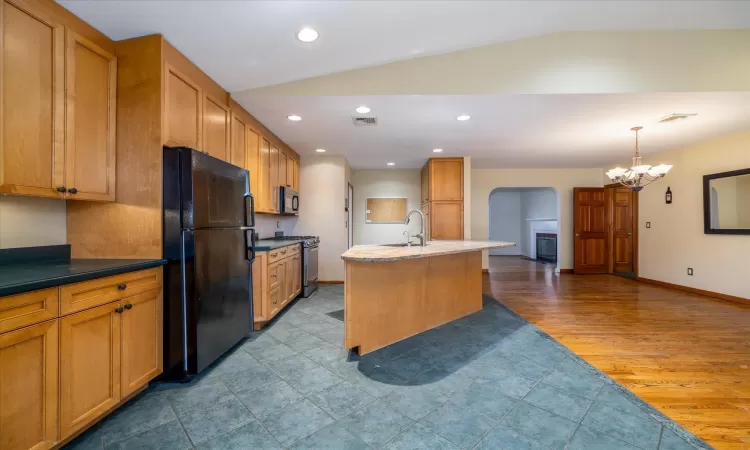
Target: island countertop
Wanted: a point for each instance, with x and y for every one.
(382, 253)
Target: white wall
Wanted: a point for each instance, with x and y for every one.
(323, 191)
(384, 183)
(676, 240)
(505, 220)
(32, 221)
(483, 181)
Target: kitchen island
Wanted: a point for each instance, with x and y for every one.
(393, 292)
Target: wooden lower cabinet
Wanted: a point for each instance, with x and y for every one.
(89, 366)
(28, 387)
(141, 340)
(277, 280)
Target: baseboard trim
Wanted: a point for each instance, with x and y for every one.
(692, 290)
(330, 282)
(566, 271)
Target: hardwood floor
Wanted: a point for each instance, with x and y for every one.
(685, 354)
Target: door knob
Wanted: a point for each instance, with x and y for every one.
(578, 235)
(630, 234)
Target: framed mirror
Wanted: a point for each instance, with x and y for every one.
(726, 202)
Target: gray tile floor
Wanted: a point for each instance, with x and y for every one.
(487, 381)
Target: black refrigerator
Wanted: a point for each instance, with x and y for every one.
(209, 246)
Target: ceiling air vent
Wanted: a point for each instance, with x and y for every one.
(364, 121)
(676, 116)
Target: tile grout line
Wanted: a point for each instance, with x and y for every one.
(580, 422)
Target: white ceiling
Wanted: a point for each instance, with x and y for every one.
(505, 130)
(246, 44)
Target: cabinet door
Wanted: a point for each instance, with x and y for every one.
(274, 171)
(427, 218)
(284, 179)
(253, 162)
(215, 128)
(90, 120)
(297, 275)
(141, 343)
(295, 165)
(32, 137)
(183, 111)
(28, 387)
(238, 143)
(89, 366)
(260, 288)
(275, 300)
(291, 277)
(264, 199)
(290, 173)
(446, 179)
(425, 183)
(446, 220)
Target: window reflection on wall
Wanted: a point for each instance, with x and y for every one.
(730, 202)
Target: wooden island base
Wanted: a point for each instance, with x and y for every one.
(388, 301)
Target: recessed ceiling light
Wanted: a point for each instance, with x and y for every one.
(390, 164)
(294, 118)
(463, 117)
(437, 150)
(363, 109)
(320, 150)
(307, 35)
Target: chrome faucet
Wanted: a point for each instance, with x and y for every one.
(421, 234)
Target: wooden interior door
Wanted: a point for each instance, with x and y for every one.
(216, 122)
(28, 387)
(89, 366)
(32, 119)
(183, 111)
(591, 228)
(90, 120)
(622, 229)
(141, 340)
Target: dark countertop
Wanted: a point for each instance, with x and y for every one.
(264, 245)
(30, 276)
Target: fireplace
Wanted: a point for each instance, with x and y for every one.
(546, 247)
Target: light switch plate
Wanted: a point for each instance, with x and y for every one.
(690, 271)
(648, 224)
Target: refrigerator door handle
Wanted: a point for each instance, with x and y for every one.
(251, 247)
(252, 209)
(183, 270)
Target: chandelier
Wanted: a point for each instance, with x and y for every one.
(639, 175)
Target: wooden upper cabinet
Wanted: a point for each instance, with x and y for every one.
(274, 179)
(253, 163)
(283, 170)
(238, 143)
(32, 153)
(263, 199)
(29, 387)
(90, 135)
(89, 366)
(216, 122)
(446, 179)
(295, 165)
(141, 340)
(290, 173)
(183, 113)
(425, 183)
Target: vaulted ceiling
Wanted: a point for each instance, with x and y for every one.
(547, 83)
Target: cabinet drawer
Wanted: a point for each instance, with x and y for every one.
(283, 252)
(26, 309)
(88, 294)
(274, 275)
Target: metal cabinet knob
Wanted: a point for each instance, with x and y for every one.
(72, 191)
(61, 189)
(119, 310)
(122, 287)
(128, 306)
